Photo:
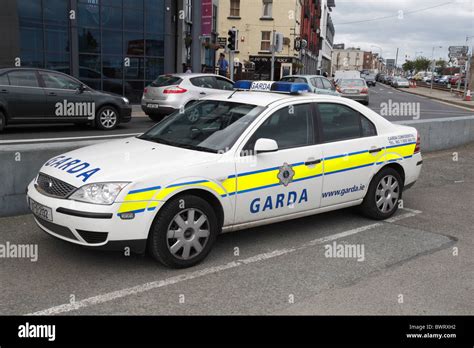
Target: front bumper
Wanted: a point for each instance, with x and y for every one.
(125, 113)
(91, 225)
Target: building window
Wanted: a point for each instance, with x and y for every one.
(235, 8)
(266, 41)
(267, 8)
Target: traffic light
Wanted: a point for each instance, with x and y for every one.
(232, 40)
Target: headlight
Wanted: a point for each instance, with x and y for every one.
(125, 100)
(100, 193)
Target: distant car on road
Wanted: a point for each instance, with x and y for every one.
(39, 96)
(399, 82)
(370, 79)
(171, 92)
(355, 89)
(319, 84)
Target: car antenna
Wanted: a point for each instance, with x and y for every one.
(230, 96)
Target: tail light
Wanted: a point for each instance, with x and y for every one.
(175, 90)
(418, 144)
(145, 90)
(364, 90)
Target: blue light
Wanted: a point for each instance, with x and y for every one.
(289, 87)
(245, 85)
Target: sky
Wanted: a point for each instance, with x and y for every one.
(433, 23)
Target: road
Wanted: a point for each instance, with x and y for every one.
(380, 96)
(419, 262)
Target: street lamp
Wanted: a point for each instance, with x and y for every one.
(432, 66)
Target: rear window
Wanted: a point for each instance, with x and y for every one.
(352, 82)
(166, 80)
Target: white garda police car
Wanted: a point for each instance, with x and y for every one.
(227, 162)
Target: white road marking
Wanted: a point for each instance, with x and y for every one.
(110, 296)
(47, 140)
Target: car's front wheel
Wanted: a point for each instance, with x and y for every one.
(183, 232)
(107, 118)
(385, 190)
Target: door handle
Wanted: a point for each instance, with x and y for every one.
(202, 93)
(312, 162)
(53, 94)
(4, 91)
(375, 150)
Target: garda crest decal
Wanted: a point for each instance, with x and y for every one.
(286, 174)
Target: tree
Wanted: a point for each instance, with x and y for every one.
(422, 64)
(409, 65)
(441, 64)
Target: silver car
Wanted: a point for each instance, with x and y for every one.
(399, 82)
(319, 84)
(169, 93)
(355, 89)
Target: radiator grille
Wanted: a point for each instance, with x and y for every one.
(53, 187)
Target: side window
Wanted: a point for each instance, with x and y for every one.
(23, 78)
(368, 128)
(224, 84)
(340, 122)
(290, 127)
(59, 81)
(203, 82)
(327, 84)
(317, 82)
(4, 80)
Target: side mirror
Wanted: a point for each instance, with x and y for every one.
(264, 145)
(81, 88)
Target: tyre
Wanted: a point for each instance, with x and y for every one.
(157, 117)
(381, 200)
(107, 118)
(2, 121)
(183, 232)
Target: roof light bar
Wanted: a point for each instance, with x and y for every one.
(268, 86)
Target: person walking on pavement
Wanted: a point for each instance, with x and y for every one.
(223, 65)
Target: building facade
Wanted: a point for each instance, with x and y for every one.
(256, 20)
(327, 37)
(311, 31)
(117, 46)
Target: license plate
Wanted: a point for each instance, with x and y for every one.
(41, 211)
(152, 106)
(261, 86)
(351, 91)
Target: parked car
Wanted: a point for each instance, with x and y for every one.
(454, 80)
(171, 92)
(355, 89)
(38, 96)
(318, 84)
(388, 80)
(399, 82)
(370, 79)
(444, 79)
(380, 77)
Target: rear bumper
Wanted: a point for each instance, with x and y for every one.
(357, 97)
(158, 109)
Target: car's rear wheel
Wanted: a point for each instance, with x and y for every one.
(385, 190)
(183, 232)
(107, 118)
(2, 121)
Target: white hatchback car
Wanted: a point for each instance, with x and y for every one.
(227, 162)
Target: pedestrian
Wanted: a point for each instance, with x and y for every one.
(223, 65)
(188, 70)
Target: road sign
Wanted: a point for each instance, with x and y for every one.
(222, 41)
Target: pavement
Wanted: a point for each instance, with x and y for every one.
(443, 96)
(380, 96)
(418, 262)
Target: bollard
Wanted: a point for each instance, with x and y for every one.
(468, 95)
